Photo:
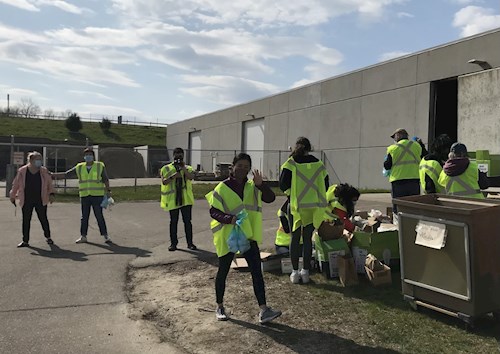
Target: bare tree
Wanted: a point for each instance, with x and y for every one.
(49, 113)
(28, 108)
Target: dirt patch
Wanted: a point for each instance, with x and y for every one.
(179, 299)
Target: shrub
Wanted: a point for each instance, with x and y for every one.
(73, 123)
(105, 124)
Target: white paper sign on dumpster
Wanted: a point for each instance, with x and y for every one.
(430, 234)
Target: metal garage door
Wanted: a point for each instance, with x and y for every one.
(253, 141)
(195, 149)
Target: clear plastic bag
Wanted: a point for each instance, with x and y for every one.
(237, 241)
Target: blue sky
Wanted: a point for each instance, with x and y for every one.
(168, 60)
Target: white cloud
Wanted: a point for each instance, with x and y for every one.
(253, 13)
(404, 15)
(89, 93)
(392, 55)
(21, 4)
(226, 90)
(110, 110)
(475, 19)
(34, 5)
(16, 91)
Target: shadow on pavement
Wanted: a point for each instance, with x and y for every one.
(117, 249)
(303, 340)
(57, 252)
(202, 255)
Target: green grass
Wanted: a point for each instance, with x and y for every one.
(55, 130)
(142, 193)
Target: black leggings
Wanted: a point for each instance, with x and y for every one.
(41, 212)
(296, 249)
(252, 257)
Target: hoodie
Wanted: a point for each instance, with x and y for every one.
(457, 166)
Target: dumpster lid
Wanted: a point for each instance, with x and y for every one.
(436, 202)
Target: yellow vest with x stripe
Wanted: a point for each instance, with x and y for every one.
(226, 200)
(90, 181)
(307, 193)
(405, 160)
(430, 168)
(465, 185)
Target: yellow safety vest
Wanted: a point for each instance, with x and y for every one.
(464, 185)
(226, 200)
(282, 238)
(90, 182)
(307, 193)
(167, 200)
(405, 160)
(433, 169)
(333, 203)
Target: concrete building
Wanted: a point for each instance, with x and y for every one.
(349, 118)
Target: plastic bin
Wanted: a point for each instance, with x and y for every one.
(462, 278)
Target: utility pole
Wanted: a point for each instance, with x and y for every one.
(8, 104)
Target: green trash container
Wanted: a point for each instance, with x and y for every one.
(452, 263)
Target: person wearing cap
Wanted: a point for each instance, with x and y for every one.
(93, 185)
(432, 164)
(460, 176)
(402, 160)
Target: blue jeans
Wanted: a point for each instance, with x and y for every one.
(95, 203)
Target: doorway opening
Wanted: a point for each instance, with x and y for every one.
(443, 115)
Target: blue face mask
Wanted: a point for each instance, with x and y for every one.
(38, 163)
(88, 158)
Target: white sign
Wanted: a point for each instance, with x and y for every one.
(18, 158)
(430, 234)
(483, 167)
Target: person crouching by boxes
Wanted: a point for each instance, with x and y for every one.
(342, 200)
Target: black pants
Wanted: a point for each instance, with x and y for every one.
(252, 257)
(404, 188)
(296, 249)
(188, 227)
(41, 212)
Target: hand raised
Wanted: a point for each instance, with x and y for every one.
(257, 177)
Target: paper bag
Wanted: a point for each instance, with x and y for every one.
(347, 271)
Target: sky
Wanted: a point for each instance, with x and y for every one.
(169, 60)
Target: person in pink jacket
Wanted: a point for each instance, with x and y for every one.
(33, 187)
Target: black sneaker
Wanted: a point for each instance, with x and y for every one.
(172, 248)
(268, 315)
(220, 314)
(23, 244)
(192, 247)
(49, 241)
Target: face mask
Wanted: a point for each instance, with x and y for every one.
(240, 173)
(88, 158)
(38, 163)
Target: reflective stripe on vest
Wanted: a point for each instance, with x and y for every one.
(309, 186)
(167, 191)
(90, 187)
(405, 160)
(456, 179)
(433, 169)
(465, 184)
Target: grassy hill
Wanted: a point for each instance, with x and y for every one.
(55, 130)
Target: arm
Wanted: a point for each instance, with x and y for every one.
(222, 217)
(483, 180)
(285, 179)
(429, 185)
(15, 188)
(284, 223)
(268, 195)
(348, 225)
(188, 171)
(388, 162)
(105, 180)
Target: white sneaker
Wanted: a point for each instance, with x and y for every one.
(304, 275)
(82, 239)
(106, 238)
(295, 277)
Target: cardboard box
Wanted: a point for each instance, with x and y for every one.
(359, 257)
(347, 271)
(383, 245)
(240, 263)
(322, 248)
(286, 265)
(272, 262)
(381, 277)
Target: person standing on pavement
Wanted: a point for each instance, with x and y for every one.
(431, 165)
(306, 178)
(33, 187)
(177, 197)
(402, 160)
(460, 176)
(230, 197)
(93, 185)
